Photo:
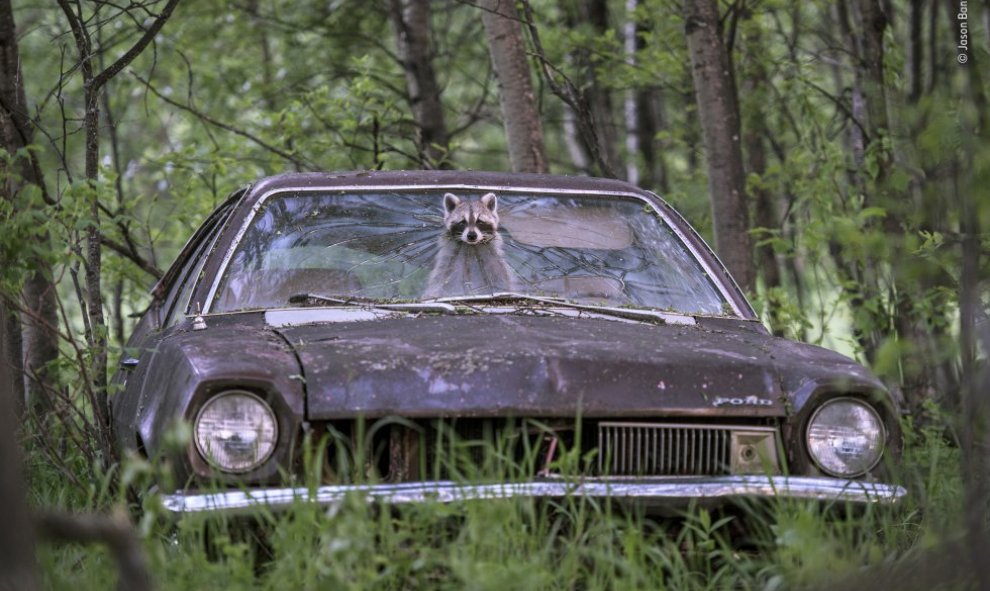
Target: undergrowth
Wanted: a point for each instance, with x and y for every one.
(518, 544)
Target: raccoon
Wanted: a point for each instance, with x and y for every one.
(470, 259)
(472, 222)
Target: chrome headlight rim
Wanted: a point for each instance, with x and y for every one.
(207, 457)
(880, 424)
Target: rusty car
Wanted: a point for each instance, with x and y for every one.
(586, 333)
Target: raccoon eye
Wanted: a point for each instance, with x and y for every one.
(458, 228)
(485, 227)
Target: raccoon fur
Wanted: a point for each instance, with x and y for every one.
(470, 259)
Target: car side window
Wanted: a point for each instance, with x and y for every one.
(177, 302)
(181, 303)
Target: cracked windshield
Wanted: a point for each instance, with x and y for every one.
(412, 246)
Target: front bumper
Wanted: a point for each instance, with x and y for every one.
(659, 492)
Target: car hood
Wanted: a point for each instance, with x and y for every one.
(498, 365)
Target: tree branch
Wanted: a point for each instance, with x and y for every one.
(141, 262)
(136, 49)
(216, 123)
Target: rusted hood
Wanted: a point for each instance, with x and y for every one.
(495, 365)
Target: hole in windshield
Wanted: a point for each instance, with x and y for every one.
(405, 246)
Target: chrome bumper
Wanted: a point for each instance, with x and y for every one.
(649, 491)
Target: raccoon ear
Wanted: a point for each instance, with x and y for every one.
(450, 201)
(491, 202)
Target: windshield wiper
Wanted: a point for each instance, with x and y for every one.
(362, 302)
(629, 313)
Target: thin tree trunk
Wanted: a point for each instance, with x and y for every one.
(718, 110)
(754, 76)
(591, 103)
(598, 96)
(13, 358)
(974, 432)
(933, 45)
(874, 23)
(857, 275)
(650, 119)
(93, 85)
(589, 128)
(411, 22)
(986, 22)
(630, 103)
(857, 139)
(572, 139)
(915, 52)
(94, 264)
(520, 116)
(650, 105)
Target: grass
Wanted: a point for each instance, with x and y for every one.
(524, 544)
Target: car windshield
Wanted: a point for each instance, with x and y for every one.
(413, 246)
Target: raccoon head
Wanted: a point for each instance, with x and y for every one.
(472, 222)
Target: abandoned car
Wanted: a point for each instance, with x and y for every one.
(448, 336)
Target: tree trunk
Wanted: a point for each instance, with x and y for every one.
(94, 266)
(862, 285)
(572, 140)
(630, 103)
(915, 52)
(523, 128)
(411, 21)
(755, 82)
(94, 85)
(650, 105)
(718, 110)
(974, 432)
(874, 23)
(648, 110)
(39, 342)
(599, 98)
(933, 45)
(17, 563)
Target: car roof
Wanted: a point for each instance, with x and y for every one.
(441, 178)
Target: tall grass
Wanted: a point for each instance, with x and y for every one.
(521, 544)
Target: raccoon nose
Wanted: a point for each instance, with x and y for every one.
(472, 236)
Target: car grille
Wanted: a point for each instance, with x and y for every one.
(644, 449)
(499, 448)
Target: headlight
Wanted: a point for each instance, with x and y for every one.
(236, 431)
(845, 437)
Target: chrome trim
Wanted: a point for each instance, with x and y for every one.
(658, 491)
(723, 289)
